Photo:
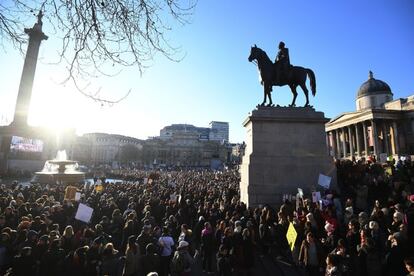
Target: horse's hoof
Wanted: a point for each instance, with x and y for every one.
(292, 105)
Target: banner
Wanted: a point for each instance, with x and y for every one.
(291, 236)
(84, 213)
(324, 181)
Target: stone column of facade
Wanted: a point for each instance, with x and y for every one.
(343, 141)
(338, 144)
(357, 140)
(328, 142)
(333, 145)
(375, 137)
(351, 142)
(396, 142)
(385, 137)
(364, 132)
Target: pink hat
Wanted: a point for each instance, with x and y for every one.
(411, 197)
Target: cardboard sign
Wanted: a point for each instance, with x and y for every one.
(98, 188)
(324, 181)
(70, 192)
(84, 213)
(291, 236)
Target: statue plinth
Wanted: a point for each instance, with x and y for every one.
(286, 149)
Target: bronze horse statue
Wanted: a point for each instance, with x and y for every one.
(296, 76)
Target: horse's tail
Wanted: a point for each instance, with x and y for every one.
(312, 79)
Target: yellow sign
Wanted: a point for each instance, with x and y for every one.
(388, 170)
(98, 188)
(291, 236)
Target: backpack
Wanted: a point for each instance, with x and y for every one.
(178, 263)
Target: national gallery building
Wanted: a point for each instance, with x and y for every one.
(379, 127)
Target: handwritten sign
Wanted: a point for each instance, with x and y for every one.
(84, 213)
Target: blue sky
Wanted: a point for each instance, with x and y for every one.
(339, 40)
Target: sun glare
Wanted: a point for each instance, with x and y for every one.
(54, 107)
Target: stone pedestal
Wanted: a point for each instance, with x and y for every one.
(286, 149)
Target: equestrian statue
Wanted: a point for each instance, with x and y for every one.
(281, 73)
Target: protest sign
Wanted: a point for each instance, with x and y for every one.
(77, 196)
(98, 188)
(70, 192)
(84, 213)
(145, 180)
(316, 196)
(173, 197)
(300, 192)
(324, 181)
(291, 236)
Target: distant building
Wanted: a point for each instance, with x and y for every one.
(169, 132)
(380, 126)
(102, 148)
(219, 131)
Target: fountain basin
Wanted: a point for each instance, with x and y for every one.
(56, 177)
(61, 171)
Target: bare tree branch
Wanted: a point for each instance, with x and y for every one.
(100, 36)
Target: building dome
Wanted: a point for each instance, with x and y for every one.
(373, 94)
(373, 87)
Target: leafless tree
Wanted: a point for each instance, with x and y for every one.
(99, 37)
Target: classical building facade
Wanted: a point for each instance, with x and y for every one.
(379, 127)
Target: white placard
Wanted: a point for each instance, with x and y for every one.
(84, 213)
(173, 197)
(77, 196)
(324, 181)
(145, 180)
(300, 192)
(316, 196)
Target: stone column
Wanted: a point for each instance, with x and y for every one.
(375, 137)
(351, 143)
(364, 132)
(343, 141)
(338, 144)
(29, 68)
(332, 139)
(385, 137)
(328, 141)
(396, 142)
(358, 141)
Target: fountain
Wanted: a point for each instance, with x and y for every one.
(59, 170)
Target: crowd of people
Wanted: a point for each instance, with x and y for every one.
(193, 223)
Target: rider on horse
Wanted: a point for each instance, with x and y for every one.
(282, 62)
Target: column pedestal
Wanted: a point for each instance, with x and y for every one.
(286, 149)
